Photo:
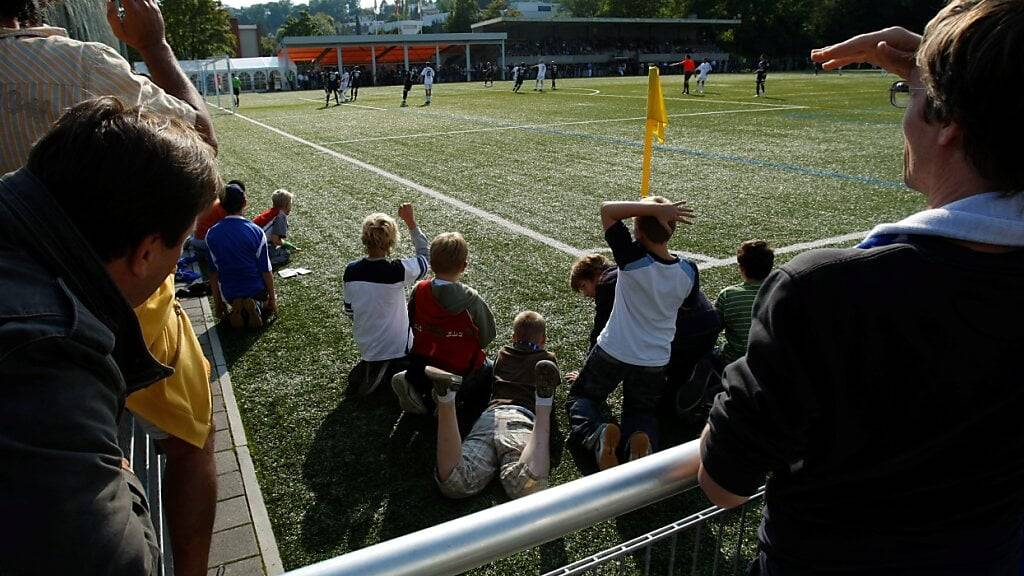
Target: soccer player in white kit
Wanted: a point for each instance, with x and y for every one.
(345, 80)
(428, 80)
(542, 69)
(702, 75)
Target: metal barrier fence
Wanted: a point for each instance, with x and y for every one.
(148, 465)
(477, 539)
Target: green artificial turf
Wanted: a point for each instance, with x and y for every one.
(819, 157)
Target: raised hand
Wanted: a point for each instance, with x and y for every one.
(141, 26)
(892, 48)
(405, 212)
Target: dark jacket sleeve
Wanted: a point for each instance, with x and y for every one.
(759, 422)
(66, 504)
(604, 300)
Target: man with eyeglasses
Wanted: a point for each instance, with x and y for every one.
(881, 389)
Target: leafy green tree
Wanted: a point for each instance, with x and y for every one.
(268, 46)
(582, 8)
(463, 13)
(197, 28)
(630, 8)
(495, 9)
(304, 24)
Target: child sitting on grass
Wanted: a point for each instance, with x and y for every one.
(375, 298)
(451, 326)
(274, 222)
(511, 437)
(634, 347)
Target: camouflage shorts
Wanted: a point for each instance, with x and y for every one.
(494, 445)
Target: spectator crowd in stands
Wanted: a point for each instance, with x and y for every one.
(874, 385)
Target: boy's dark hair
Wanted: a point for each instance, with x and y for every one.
(756, 259)
(651, 227)
(587, 267)
(122, 174)
(528, 326)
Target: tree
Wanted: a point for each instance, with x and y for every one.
(582, 8)
(495, 9)
(463, 13)
(630, 8)
(268, 47)
(197, 28)
(304, 24)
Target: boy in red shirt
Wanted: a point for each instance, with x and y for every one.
(451, 326)
(689, 66)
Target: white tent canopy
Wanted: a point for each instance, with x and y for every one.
(263, 73)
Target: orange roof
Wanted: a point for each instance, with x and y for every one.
(361, 54)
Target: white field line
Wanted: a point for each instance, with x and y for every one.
(550, 125)
(800, 247)
(483, 214)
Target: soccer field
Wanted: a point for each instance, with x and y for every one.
(817, 162)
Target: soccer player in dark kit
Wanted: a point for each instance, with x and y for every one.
(762, 74)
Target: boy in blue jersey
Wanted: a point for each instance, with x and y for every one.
(635, 345)
(240, 265)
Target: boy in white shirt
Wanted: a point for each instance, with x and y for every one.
(702, 75)
(375, 299)
(428, 80)
(636, 344)
(541, 72)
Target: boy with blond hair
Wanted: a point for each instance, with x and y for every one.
(451, 326)
(635, 346)
(375, 298)
(274, 222)
(511, 437)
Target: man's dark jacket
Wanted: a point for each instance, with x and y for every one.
(70, 352)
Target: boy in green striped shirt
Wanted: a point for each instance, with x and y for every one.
(735, 304)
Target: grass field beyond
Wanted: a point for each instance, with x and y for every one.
(522, 177)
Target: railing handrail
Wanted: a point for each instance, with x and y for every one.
(474, 540)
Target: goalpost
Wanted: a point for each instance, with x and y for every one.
(213, 65)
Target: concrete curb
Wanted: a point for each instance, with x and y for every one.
(253, 495)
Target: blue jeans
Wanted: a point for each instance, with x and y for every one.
(642, 388)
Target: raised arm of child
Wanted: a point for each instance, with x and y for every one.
(612, 212)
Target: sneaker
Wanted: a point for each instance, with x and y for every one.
(548, 378)
(236, 317)
(252, 313)
(608, 436)
(443, 382)
(372, 374)
(639, 446)
(408, 398)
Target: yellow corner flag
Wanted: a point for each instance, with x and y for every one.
(657, 119)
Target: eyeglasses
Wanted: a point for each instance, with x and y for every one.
(899, 93)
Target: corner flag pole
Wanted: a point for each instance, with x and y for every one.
(657, 120)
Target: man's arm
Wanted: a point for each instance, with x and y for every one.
(761, 422)
(67, 504)
(142, 28)
(716, 494)
(218, 300)
(268, 281)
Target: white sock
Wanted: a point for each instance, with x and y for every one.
(543, 401)
(449, 397)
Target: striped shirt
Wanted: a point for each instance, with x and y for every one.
(43, 72)
(735, 305)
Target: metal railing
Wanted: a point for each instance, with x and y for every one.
(148, 465)
(645, 544)
(477, 539)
